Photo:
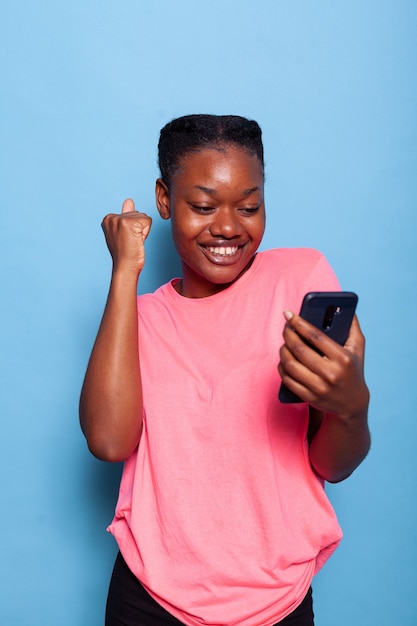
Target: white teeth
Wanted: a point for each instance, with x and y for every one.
(223, 251)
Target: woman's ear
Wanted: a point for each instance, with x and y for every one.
(162, 199)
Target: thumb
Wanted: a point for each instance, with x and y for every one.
(128, 206)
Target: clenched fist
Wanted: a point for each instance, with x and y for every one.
(125, 234)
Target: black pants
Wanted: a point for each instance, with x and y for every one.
(128, 604)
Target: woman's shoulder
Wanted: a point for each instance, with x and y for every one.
(306, 267)
(160, 297)
(299, 256)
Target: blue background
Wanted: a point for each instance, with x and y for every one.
(85, 88)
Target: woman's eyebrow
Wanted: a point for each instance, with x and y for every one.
(213, 192)
(248, 192)
(208, 190)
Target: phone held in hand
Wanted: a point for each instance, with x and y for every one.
(330, 311)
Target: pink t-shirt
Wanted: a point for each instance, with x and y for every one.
(220, 515)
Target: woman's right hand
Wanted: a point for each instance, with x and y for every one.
(125, 234)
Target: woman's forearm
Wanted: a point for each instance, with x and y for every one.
(339, 446)
(111, 397)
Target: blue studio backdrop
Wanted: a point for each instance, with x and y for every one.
(85, 88)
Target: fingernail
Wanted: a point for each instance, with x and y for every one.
(288, 315)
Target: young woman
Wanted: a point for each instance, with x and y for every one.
(222, 517)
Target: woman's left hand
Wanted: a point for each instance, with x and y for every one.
(332, 379)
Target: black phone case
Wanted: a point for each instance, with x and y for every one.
(315, 309)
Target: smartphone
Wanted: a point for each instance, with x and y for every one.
(332, 312)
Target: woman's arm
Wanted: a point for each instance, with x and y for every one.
(111, 397)
(333, 383)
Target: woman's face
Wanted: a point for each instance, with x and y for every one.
(216, 204)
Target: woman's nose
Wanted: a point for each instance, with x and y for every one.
(225, 223)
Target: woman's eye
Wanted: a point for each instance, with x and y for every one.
(249, 210)
(205, 210)
(202, 209)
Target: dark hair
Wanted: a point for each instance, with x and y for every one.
(192, 133)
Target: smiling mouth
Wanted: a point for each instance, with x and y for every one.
(222, 251)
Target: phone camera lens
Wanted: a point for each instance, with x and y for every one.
(329, 315)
